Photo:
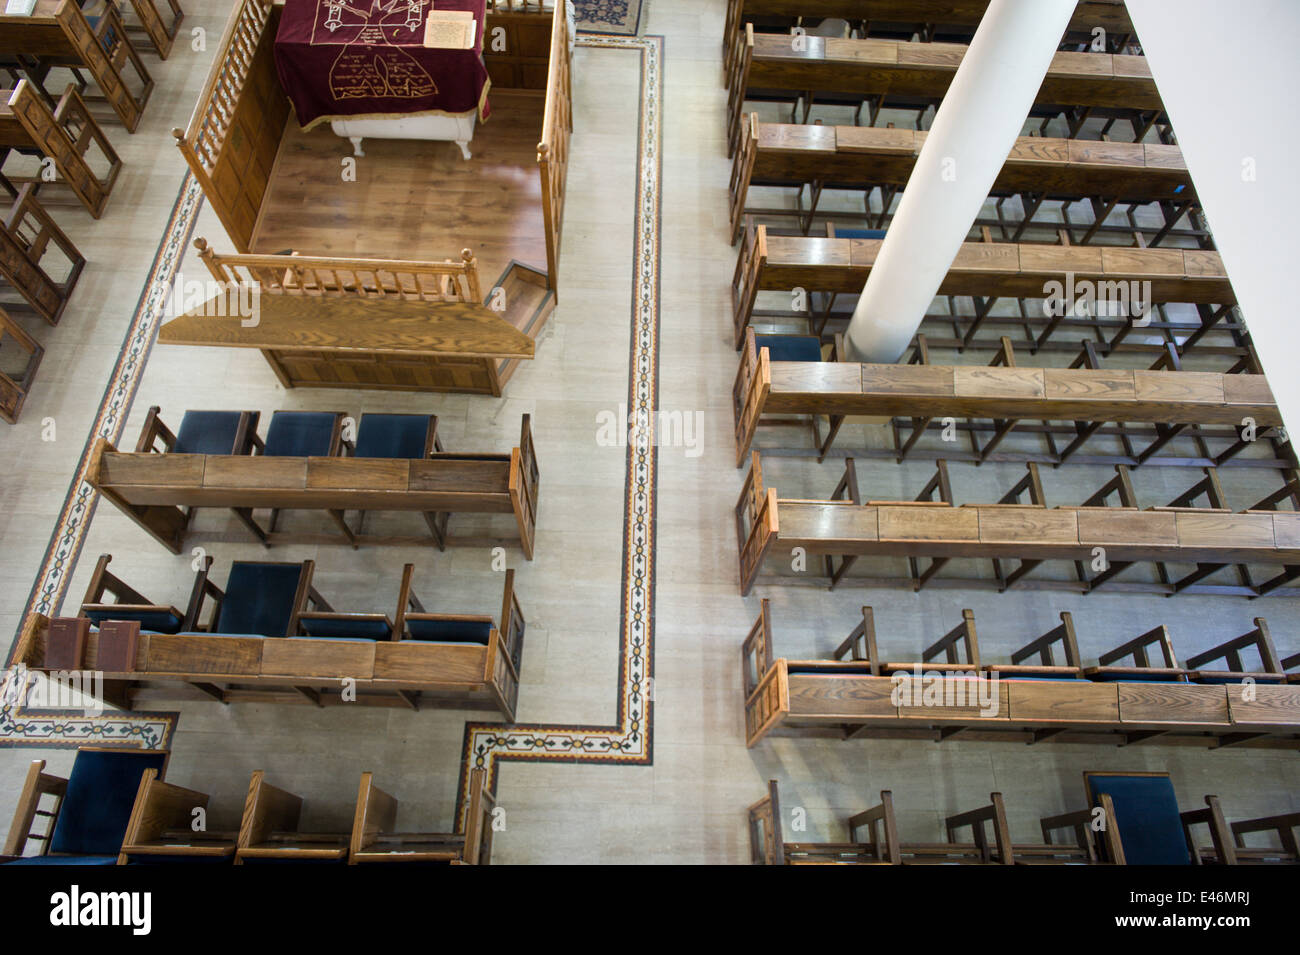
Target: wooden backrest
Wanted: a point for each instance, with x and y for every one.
(445, 281)
(103, 583)
(159, 807)
(1042, 647)
(37, 784)
(267, 810)
(235, 130)
(478, 820)
(1229, 651)
(553, 150)
(376, 813)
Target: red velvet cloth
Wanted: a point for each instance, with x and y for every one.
(374, 62)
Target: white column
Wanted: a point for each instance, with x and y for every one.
(974, 129)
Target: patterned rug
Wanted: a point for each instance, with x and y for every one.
(609, 16)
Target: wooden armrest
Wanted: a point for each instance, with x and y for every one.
(153, 430)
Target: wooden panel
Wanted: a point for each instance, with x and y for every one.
(1172, 703)
(331, 659)
(883, 52)
(810, 522)
(410, 662)
(1113, 525)
(874, 140)
(1286, 529)
(987, 257)
(1089, 385)
(1038, 524)
(205, 654)
(819, 694)
(1064, 702)
(1224, 530)
(812, 139)
(975, 382)
(907, 380)
(231, 471)
(961, 700)
(1141, 262)
(368, 473)
(1202, 264)
(1059, 259)
(1108, 153)
(1271, 704)
(928, 523)
(1184, 386)
(1246, 390)
(157, 470)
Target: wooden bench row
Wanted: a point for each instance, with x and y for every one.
(865, 157)
(1100, 541)
(1126, 809)
(949, 693)
(161, 491)
(770, 16)
(771, 64)
(116, 806)
(1087, 395)
(270, 636)
(986, 270)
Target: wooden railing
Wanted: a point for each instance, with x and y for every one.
(553, 150)
(446, 281)
(233, 135)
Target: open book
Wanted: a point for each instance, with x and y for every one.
(450, 30)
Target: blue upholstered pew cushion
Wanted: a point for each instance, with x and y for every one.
(300, 434)
(1146, 811)
(392, 436)
(450, 631)
(97, 806)
(207, 432)
(67, 860)
(154, 621)
(790, 347)
(1134, 678)
(346, 629)
(859, 233)
(259, 598)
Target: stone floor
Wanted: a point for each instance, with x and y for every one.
(687, 804)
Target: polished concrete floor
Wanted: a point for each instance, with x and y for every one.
(687, 804)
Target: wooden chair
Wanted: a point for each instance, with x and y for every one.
(1047, 667)
(128, 603)
(269, 830)
(397, 436)
(374, 839)
(1087, 847)
(161, 829)
(1259, 639)
(158, 29)
(260, 598)
(63, 134)
(958, 643)
(91, 809)
(16, 385)
(1110, 667)
(302, 434)
(1152, 830)
(1283, 827)
(30, 243)
(413, 622)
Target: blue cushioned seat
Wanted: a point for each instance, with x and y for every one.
(1146, 812)
(450, 631)
(790, 347)
(207, 432)
(1134, 678)
(155, 621)
(97, 806)
(346, 629)
(67, 860)
(259, 598)
(859, 233)
(300, 434)
(392, 435)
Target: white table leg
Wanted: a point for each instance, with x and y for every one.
(464, 147)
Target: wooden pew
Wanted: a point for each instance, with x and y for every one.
(779, 16)
(392, 325)
(30, 244)
(855, 696)
(866, 157)
(158, 491)
(17, 385)
(847, 527)
(269, 831)
(162, 827)
(310, 654)
(989, 270)
(64, 136)
(1005, 392)
(889, 69)
(375, 841)
(58, 32)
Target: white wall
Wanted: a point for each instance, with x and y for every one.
(1229, 76)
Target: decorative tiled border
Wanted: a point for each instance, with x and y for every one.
(629, 739)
